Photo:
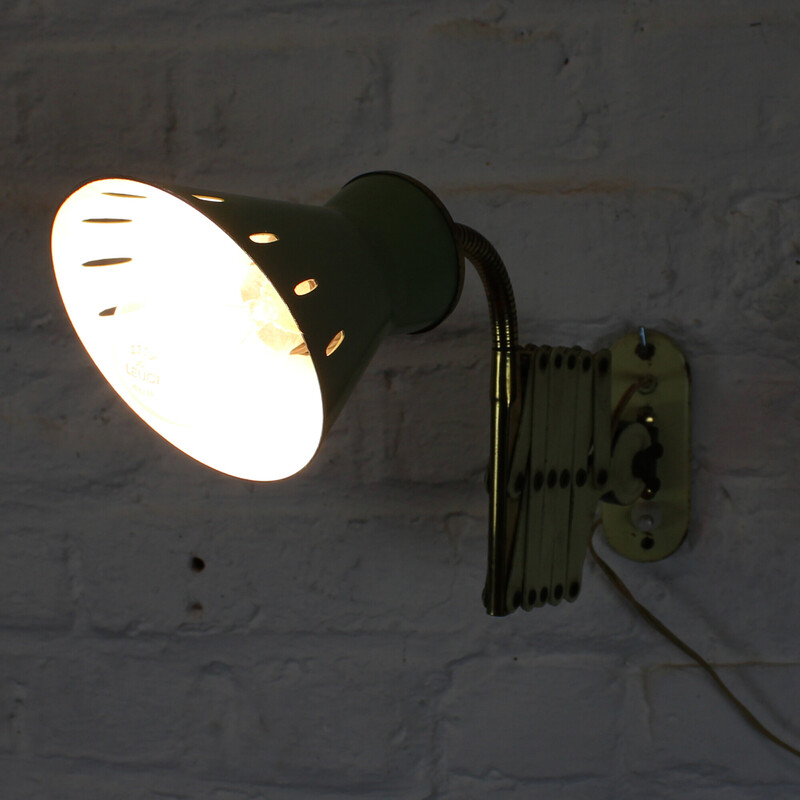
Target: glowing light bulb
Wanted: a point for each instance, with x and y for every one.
(187, 329)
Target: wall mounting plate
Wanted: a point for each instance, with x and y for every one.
(653, 527)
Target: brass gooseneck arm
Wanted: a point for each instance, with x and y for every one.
(505, 378)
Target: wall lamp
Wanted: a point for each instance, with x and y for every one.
(237, 327)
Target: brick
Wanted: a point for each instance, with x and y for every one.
(422, 411)
(35, 586)
(708, 734)
(500, 787)
(34, 779)
(81, 108)
(274, 719)
(522, 719)
(744, 405)
(109, 707)
(15, 728)
(266, 104)
(590, 264)
(526, 102)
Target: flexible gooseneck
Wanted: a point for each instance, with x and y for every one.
(505, 377)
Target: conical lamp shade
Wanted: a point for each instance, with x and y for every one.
(236, 327)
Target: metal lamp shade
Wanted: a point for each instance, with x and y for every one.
(237, 327)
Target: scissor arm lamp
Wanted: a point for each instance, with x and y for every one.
(237, 327)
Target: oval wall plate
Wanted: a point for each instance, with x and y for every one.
(653, 527)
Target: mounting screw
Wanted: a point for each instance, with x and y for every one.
(644, 350)
(646, 517)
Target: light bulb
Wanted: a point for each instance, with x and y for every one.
(187, 329)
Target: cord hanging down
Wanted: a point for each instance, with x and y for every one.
(658, 625)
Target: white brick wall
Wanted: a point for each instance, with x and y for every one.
(635, 163)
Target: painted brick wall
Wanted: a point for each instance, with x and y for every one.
(635, 163)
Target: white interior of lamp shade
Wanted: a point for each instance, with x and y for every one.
(187, 329)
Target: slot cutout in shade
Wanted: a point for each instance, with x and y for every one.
(305, 287)
(334, 344)
(263, 238)
(106, 262)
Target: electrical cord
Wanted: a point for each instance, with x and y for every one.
(623, 402)
(656, 623)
